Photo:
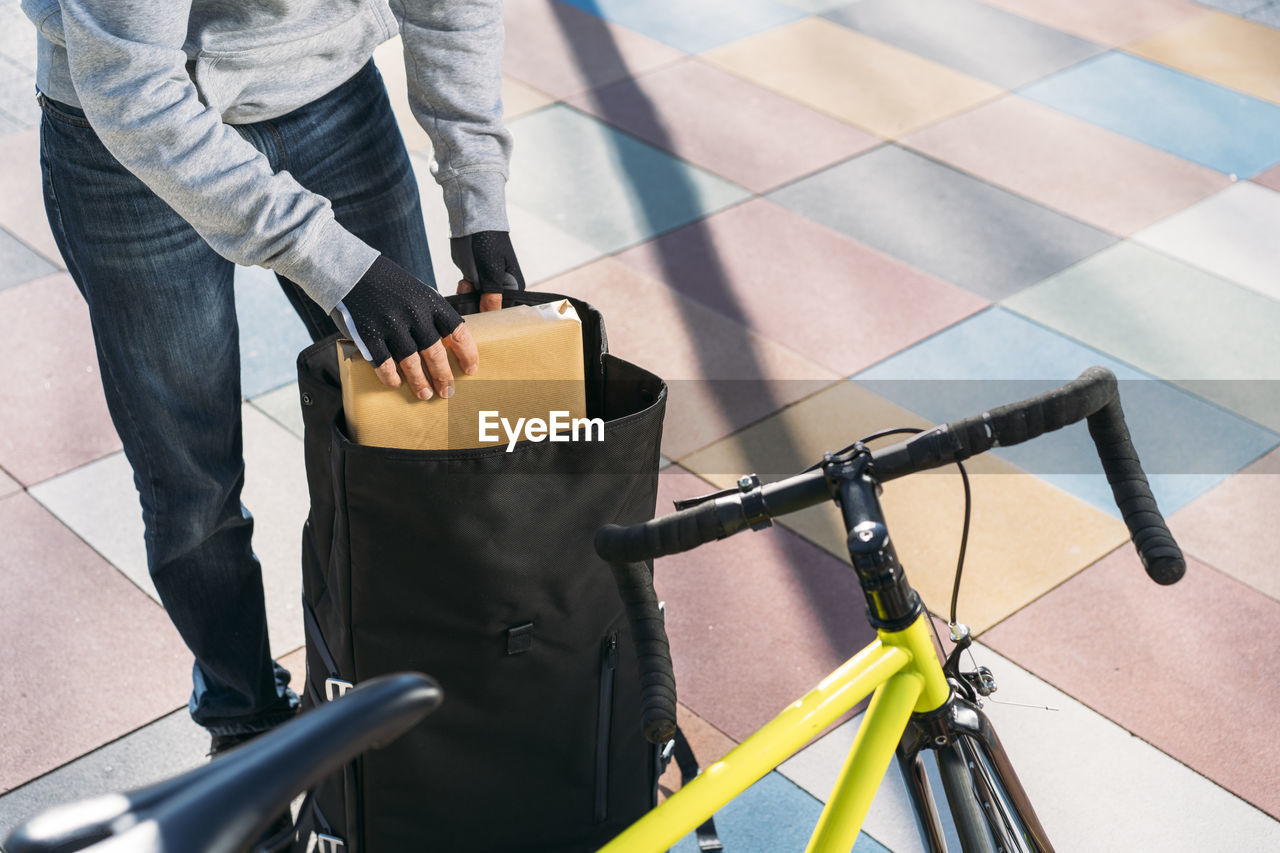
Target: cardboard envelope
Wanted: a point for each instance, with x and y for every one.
(530, 367)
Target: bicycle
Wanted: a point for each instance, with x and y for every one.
(920, 703)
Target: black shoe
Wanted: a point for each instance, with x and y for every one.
(221, 743)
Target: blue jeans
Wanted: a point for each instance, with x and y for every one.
(164, 323)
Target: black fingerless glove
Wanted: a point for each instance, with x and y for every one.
(488, 261)
(392, 314)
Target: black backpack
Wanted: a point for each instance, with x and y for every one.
(477, 568)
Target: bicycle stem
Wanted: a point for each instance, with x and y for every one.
(892, 605)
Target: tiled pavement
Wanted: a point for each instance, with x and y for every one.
(948, 202)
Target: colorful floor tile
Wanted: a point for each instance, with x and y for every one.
(1026, 536)
(880, 88)
(1232, 52)
(281, 405)
(958, 228)
(1135, 652)
(1103, 21)
(1174, 321)
(8, 485)
(720, 376)
(768, 269)
(271, 334)
(1068, 164)
(18, 263)
(165, 748)
(1184, 115)
(773, 814)
(21, 196)
(1233, 234)
(1232, 527)
(607, 188)
(702, 114)
(63, 689)
(159, 750)
(55, 417)
(1269, 178)
(563, 51)
(969, 36)
(1072, 761)
(693, 26)
(1268, 14)
(997, 357)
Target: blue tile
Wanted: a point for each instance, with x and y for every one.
(604, 187)
(971, 37)
(693, 26)
(772, 815)
(19, 264)
(1268, 14)
(271, 335)
(1186, 445)
(1184, 115)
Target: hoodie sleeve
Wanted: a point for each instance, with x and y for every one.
(128, 68)
(453, 60)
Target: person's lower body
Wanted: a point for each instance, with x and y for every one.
(162, 305)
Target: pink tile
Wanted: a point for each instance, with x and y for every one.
(835, 301)
(754, 621)
(53, 416)
(22, 194)
(8, 485)
(88, 656)
(753, 137)
(1068, 164)
(1233, 526)
(1269, 178)
(1189, 668)
(562, 51)
(1105, 21)
(720, 376)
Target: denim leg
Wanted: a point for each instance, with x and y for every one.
(163, 313)
(347, 147)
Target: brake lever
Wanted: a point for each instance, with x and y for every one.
(746, 483)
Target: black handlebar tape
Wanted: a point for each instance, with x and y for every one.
(657, 680)
(1033, 417)
(671, 534)
(1160, 554)
(1093, 396)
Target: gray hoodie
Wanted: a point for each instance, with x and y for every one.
(161, 80)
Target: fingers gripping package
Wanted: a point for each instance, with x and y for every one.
(428, 549)
(530, 383)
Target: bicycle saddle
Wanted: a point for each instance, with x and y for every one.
(222, 806)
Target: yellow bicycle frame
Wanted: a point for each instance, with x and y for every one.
(902, 669)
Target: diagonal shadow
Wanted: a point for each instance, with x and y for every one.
(844, 626)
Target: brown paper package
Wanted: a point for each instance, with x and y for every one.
(530, 366)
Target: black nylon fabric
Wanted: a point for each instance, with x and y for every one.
(425, 560)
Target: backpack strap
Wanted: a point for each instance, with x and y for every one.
(708, 840)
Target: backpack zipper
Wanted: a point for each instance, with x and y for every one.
(604, 723)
